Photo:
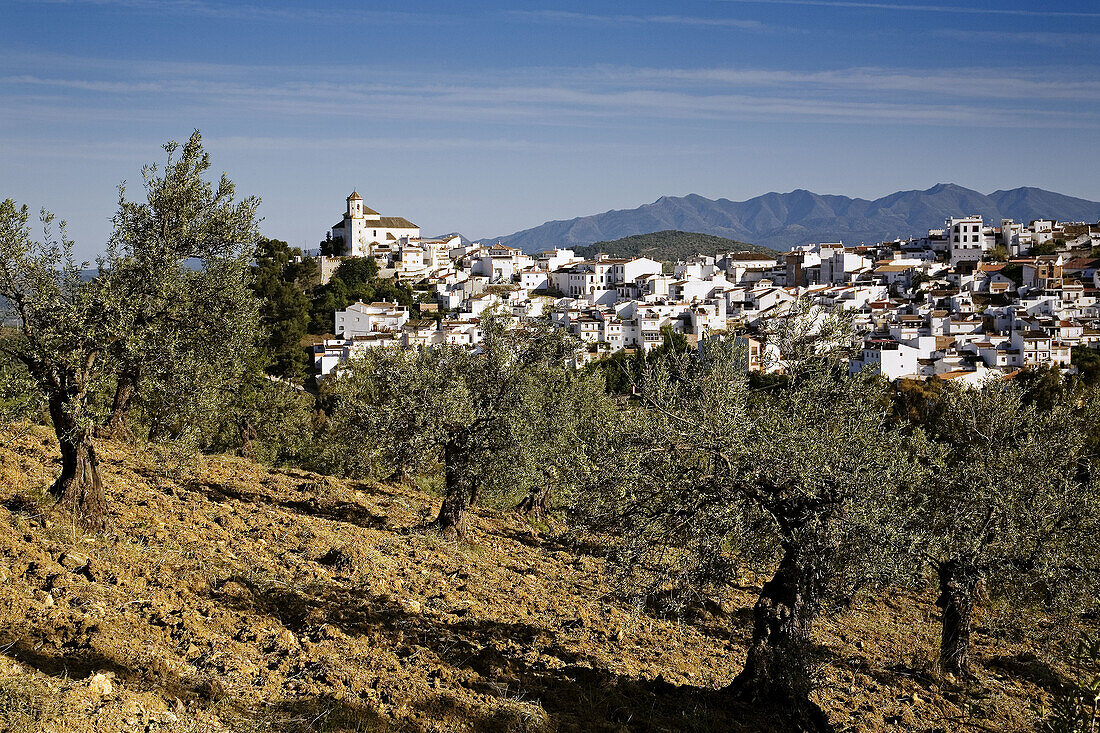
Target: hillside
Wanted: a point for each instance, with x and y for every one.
(668, 246)
(231, 597)
(781, 220)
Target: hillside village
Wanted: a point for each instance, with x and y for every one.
(960, 302)
(638, 521)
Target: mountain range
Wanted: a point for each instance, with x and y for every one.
(782, 220)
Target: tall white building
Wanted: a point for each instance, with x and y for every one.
(363, 228)
(969, 239)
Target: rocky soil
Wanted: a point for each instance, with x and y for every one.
(227, 596)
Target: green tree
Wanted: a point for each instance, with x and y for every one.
(61, 335)
(1046, 248)
(269, 420)
(1009, 501)
(356, 279)
(709, 474)
(572, 432)
(616, 370)
(178, 262)
(332, 247)
(1042, 385)
(357, 271)
(282, 285)
(917, 402)
(476, 414)
(1087, 362)
(1076, 706)
(19, 396)
(1014, 271)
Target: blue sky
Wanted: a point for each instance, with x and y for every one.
(489, 117)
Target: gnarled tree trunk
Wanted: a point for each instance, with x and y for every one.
(452, 515)
(537, 503)
(777, 674)
(116, 426)
(401, 476)
(248, 438)
(958, 582)
(475, 491)
(79, 487)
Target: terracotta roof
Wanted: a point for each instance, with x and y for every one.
(1081, 263)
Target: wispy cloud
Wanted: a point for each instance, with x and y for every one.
(920, 8)
(252, 12)
(611, 100)
(137, 150)
(634, 20)
(38, 91)
(978, 83)
(1025, 38)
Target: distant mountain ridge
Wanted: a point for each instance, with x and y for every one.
(453, 234)
(782, 220)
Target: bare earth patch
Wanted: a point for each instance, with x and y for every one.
(227, 596)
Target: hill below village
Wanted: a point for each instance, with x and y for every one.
(669, 246)
(782, 220)
(227, 596)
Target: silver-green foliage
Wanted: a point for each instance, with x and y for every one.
(1010, 488)
(710, 477)
(179, 269)
(56, 325)
(62, 329)
(709, 474)
(498, 421)
(1009, 499)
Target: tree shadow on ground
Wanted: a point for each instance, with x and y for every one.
(72, 663)
(1029, 667)
(575, 693)
(557, 542)
(335, 511)
(311, 715)
(80, 661)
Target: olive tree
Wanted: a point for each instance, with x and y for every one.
(572, 434)
(1009, 501)
(180, 334)
(710, 475)
(476, 413)
(179, 260)
(60, 331)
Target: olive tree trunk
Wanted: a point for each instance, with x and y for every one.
(401, 476)
(537, 502)
(452, 515)
(116, 425)
(79, 488)
(957, 585)
(777, 673)
(248, 435)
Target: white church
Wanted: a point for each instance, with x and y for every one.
(365, 231)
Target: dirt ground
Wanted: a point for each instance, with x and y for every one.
(227, 596)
